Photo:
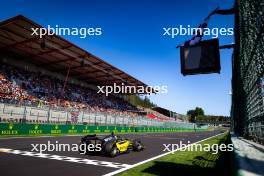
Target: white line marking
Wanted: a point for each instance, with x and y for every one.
(66, 158)
(153, 158)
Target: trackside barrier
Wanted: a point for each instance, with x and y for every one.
(47, 115)
(16, 129)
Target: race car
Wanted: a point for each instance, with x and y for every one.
(110, 145)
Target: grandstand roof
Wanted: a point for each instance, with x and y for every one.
(164, 111)
(58, 54)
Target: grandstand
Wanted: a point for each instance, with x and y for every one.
(51, 80)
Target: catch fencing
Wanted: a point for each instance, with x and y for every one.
(46, 115)
(248, 70)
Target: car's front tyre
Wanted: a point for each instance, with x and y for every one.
(114, 152)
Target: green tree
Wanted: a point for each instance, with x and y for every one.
(199, 111)
(194, 113)
(191, 114)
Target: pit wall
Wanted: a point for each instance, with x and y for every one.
(24, 129)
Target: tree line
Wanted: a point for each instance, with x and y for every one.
(198, 115)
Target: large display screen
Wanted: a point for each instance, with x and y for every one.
(202, 58)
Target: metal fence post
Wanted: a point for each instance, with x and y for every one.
(25, 114)
(123, 120)
(48, 118)
(95, 118)
(82, 116)
(67, 116)
(106, 118)
(115, 120)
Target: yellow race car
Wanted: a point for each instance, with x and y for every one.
(110, 145)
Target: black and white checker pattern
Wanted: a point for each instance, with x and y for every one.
(66, 158)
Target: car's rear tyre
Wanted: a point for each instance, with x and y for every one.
(137, 145)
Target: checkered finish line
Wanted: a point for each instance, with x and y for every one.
(66, 158)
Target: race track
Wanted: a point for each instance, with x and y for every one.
(17, 158)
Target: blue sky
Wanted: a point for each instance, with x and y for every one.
(132, 40)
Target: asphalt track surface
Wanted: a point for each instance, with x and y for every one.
(16, 157)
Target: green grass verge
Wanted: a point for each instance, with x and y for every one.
(189, 163)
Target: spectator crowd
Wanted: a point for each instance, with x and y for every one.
(23, 87)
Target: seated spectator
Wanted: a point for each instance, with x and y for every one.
(22, 87)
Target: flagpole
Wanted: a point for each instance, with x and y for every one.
(207, 18)
(66, 79)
